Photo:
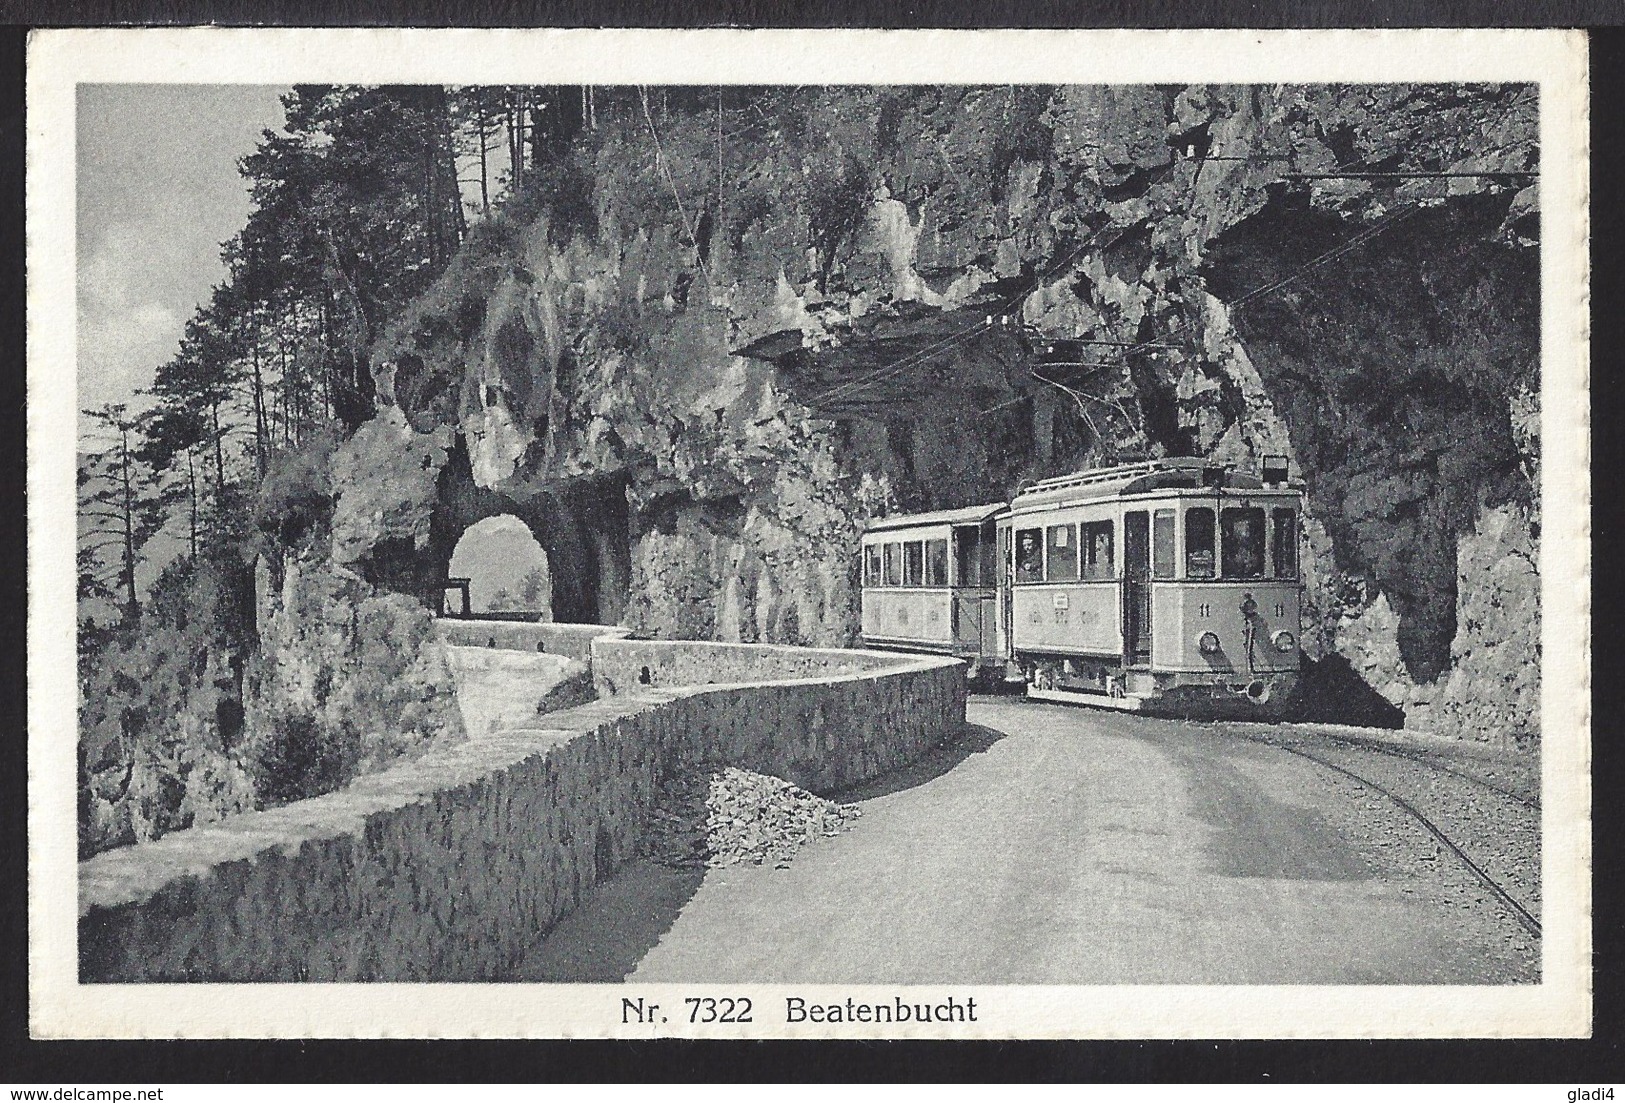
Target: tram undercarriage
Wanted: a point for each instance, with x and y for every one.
(1107, 683)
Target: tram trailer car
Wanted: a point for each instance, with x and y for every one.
(930, 583)
(1169, 586)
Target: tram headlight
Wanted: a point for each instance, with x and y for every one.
(1208, 643)
(1285, 641)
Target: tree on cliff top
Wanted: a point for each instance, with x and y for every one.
(121, 507)
(355, 211)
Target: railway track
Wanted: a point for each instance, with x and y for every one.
(1490, 829)
(1504, 853)
(1532, 803)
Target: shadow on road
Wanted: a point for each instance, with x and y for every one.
(1332, 692)
(1239, 813)
(621, 920)
(969, 740)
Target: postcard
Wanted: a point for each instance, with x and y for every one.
(808, 534)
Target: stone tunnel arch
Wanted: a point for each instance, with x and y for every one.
(581, 524)
(506, 566)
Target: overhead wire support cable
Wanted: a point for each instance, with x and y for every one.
(1112, 344)
(1354, 242)
(1336, 251)
(660, 159)
(851, 386)
(1076, 397)
(1495, 174)
(848, 388)
(862, 382)
(1002, 405)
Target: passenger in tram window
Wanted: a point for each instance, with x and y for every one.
(1242, 542)
(1029, 556)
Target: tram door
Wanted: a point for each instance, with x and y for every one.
(1007, 578)
(1137, 588)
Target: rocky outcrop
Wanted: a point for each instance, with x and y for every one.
(695, 386)
(450, 867)
(348, 679)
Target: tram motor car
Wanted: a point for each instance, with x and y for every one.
(1165, 586)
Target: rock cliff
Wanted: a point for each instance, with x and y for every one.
(721, 336)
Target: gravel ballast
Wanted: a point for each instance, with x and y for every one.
(723, 816)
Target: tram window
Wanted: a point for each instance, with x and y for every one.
(1162, 544)
(1242, 542)
(913, 563)
(1029, 555)
(936, 562)
(1061, 554)
(894, 565)
(871, 564)
(1199, 542)
(967, 556)
(1096, 540)
(1285, 547)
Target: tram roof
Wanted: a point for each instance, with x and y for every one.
(1116, 482)
(970, 515)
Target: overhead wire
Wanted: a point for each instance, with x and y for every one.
(1076, 397)
(851, 386)
(1394, 217)
(660, 159)
(1298, 273)
(847, 387)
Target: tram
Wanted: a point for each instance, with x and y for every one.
(930, 583)
(1167, 586)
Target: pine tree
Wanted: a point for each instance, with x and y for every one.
(121, 507)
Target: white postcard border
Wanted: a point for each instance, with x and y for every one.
(58, 60)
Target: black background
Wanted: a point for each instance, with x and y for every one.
(27, 1063)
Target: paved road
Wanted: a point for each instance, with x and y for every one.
(1061, 845)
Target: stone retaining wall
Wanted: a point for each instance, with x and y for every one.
(619, 665)
(452, 867)
(573, 641)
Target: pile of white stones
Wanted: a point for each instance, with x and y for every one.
(724, 816)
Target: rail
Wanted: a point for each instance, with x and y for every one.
(1520, 913)
(1530, 803)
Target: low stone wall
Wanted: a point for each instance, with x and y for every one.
(573, 641)
(619, 665)
(826, 734)
(453, 866)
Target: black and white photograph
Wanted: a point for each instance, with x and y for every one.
(808, 534)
